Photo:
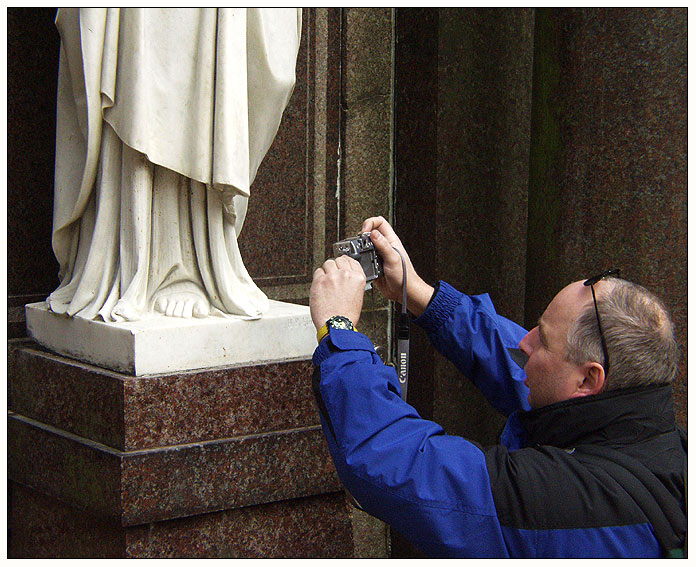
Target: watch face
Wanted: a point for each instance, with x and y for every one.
(340, 322)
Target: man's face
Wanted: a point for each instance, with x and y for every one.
(550, 377)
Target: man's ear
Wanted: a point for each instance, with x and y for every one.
(593, 382)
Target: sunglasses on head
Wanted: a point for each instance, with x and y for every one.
(520, 358)
(591, 283)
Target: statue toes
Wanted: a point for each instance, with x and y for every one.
(201, 309)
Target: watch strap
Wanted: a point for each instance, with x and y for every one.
(323, 331)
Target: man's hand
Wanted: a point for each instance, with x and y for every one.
(337, 289)
(391, 283)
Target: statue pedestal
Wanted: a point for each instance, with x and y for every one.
(166, 344)
(223, 462)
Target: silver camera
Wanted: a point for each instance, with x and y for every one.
(360, 248)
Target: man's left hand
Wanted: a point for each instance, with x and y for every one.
(337, 289)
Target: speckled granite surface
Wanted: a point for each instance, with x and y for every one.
(315, 527)
(164, 446)
(128, 413)
(229, 462)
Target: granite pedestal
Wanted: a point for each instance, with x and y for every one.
(220, 462)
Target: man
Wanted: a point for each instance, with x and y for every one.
(591, 463)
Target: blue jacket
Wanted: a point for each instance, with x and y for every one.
(534, 495)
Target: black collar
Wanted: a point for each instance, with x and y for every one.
(618, 417)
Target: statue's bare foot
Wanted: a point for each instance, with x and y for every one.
(182, 299)
(124, 311)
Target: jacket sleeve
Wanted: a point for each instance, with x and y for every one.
(431, 487)
(468, 331)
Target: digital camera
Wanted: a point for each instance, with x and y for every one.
(360, 248)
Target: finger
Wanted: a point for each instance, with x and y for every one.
(372, 223)
(330, 266)
(381, 224)
(318, 272)
(347, 263)
(355, 265)
(342, 262)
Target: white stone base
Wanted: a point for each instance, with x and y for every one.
(162, 344)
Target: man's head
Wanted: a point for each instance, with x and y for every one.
(566, 359)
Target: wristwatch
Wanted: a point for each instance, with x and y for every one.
(335, 322)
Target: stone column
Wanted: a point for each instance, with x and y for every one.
(608, 177)
(463, 84)
(463, 103)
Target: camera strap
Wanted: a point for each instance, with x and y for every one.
(403, 337)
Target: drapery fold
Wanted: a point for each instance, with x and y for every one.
(164, 116)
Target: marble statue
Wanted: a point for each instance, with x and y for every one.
(164, 116)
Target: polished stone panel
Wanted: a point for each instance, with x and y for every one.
(415, 164)
(128, 413)
(291, 218)
(228, 462)
(535, 147)
(608, 177)
(169, 482)
(314, 527)
(365, 190)
(463, 88)
(33, 46)
(276, 236)
(149, 449)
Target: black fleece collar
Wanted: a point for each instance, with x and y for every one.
(620, 417)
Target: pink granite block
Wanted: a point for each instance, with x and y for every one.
(129, 413)
(171, 482)
(314, 527)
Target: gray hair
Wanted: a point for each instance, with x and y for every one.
(638, 331)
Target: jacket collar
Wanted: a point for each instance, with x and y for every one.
(618, 417)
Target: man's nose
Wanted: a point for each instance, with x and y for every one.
(527, 342)
(521, 355)
(518, 357)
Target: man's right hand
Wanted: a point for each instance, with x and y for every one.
(391, 283)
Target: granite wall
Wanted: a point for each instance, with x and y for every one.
(515, 149)
(312, 189)
(608, 176)
(463, 88)
(534, 148)
(463, 106)
(32, 80)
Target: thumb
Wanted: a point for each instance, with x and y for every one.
(384, 248)
(382, 245)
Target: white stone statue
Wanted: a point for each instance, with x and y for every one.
(164, 116)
